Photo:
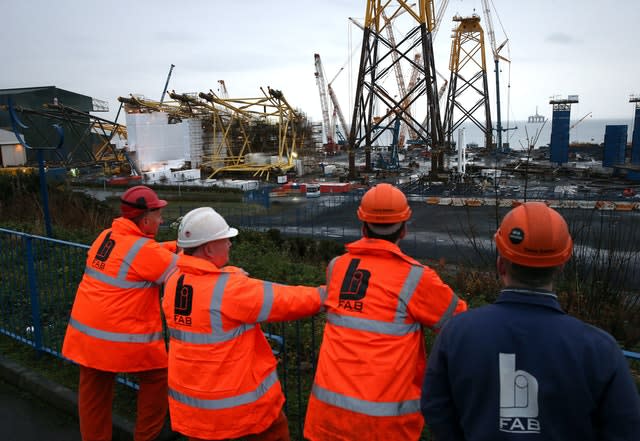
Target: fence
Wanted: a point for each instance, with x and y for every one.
(331, 217)
(37, 288)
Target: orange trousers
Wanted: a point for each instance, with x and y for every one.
(95, 400)
(278, 431)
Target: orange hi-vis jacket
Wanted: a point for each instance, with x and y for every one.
(372, 358)
(223, 381)
(115, 323)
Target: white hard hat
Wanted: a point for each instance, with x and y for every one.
(203, 225)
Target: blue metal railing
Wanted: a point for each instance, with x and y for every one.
(632, 355)
(37, 288)
(39, 279)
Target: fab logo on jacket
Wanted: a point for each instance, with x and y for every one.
(518, 398)
(106, 247)
(183, 302)
(354, 287)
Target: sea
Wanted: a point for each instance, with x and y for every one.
(590, 130)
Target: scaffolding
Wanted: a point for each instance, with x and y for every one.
(243, 135)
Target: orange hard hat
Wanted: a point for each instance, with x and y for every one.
(534, 235)
(384, 204)
(136, 200)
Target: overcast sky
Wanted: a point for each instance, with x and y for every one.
(115, 48)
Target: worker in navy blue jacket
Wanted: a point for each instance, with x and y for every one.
(521, 368)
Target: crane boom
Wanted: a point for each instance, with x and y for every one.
(439, 15)
(402, 88)
(324, 102)
(223, 89)
(580, 120)
(336, 107)
(495, 49)
(166, 84)
(394, 55)
(336, 104)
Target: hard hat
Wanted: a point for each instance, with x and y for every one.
(136, 200)
(534, 235)
(203, 225)
(384, 204)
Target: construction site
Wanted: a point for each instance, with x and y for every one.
(406, 125)
(293, 186)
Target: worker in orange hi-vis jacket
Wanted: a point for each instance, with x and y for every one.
(372, 358)
(116, 323)
(223, 383)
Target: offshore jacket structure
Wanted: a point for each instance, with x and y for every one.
(372, 357)
(223, 382)
(115, 322)
(522, 369)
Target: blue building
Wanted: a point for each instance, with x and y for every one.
(615, 143)
(559, 144)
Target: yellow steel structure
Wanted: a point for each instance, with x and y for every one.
(468, 96)
(114, 161)
(234, 122)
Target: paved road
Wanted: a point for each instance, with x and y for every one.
(24, 417)
(464, 235)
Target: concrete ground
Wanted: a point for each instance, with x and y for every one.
(33, 408)
(25, 417)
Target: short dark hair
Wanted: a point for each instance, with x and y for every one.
(392, 237)
(531, 276)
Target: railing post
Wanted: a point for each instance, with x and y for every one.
(33, 294)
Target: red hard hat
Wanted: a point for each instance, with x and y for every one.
(534, 235)
(137, 200)
(384, 204)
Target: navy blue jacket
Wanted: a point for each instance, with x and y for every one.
(522, 369)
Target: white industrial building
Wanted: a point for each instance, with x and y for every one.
(155, 141)
(13, 153)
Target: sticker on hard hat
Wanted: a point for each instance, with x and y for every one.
(516, 236)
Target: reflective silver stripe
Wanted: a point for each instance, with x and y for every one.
(217, 335)
(226, 403)
(323, 294)
(120, 281)
(113, 281)
(203, 339)
(376, 326)
(330, 269)
(130, 256)
(448, 313)
(169, 274)
(267, 302)
(171, 267)
(115, 336)
(371, 408)
(216, 303)
(407, 291)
